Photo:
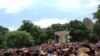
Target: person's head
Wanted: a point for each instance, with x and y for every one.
(98, 48)
(92, 52)
(35, 53)
(83, 50)
(27, 54)
(85, 45)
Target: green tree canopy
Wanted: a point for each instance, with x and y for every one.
(96, 14)
(58, 27)
(96, 30)
(3, 31)
(78, 31)
(55, 27)
(27, 26)
(34, 30)
(18, 39)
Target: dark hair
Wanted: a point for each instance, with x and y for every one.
(27, 54)
(7, 54)
(35, 54)
(85, 45)
(98, 47)
(18, 52)
(91, 53)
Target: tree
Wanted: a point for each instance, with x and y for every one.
(18, 39)
(78, 31)
(50, 33)
(96, 14)
(93, 38)
(58, 27)
(27, 26)
(43, 37)
(66, 26)
(34, 30)
(96, 30)
(3, 31)
(96, 27)
(55, 27)
(88, 23)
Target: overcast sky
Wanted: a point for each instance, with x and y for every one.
(44, 12)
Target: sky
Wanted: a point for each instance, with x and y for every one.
(45, 12)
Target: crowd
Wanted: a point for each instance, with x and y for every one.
(55, 49)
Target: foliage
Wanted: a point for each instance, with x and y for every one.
(58, 27)
(18, 39)
(50, 33)
(96, 29)
(26, 26)
(88, 23)
(3, 31)
(43, 37)
(96, 15)
(78, 31)
(34, 30)
(95, 35)
(55, 27)
(93, 38)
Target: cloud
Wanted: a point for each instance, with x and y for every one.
(92, 4)
(69, 3)
(72, 5)
(43, 23)
(12, 28)
(64, 4)
(15, 6)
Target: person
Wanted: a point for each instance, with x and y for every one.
(83, 54)
(97, 52)
(84, 50)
